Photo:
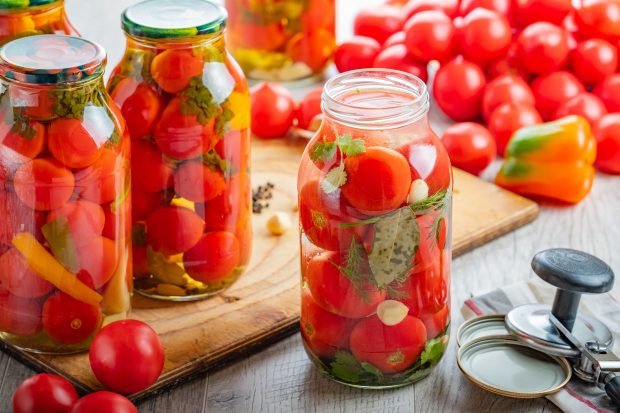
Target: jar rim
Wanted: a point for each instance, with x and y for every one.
(172, 19)
(26, 5)
(390, 115)
(51, 59)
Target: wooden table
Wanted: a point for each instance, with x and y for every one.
(282, 379)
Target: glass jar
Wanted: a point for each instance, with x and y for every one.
(282, 40)
(187, 107)
(21, 18)
(64, 196)
(375, 216)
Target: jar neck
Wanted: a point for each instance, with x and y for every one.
(215, 41)
(375, 99)
(51, 8)
(85, 88)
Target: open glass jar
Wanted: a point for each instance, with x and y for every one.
(187, 107)
(375, 215)
(282, 40)
(64, 196)
(21, 18)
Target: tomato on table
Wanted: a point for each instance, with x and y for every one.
(336, 293)
(397, 57)
(103, 402)
(599, 18)
(359, 52)
(503, 7)
(100, 182)
(584, 104)
(428, 160)
(127, 356)
(396, 38)
(542, 47)
(173, 230)
(197, 182)
(98, 258)
(43, 184)
(505, 89)
(607, 133)
(430, 36)
(213, 257)
(449, 7)
(309, 107)
(458, 89)
(554, 88)
(140, 105)
(470, 146)
(85, 219)
(609, 92)
(71, 143)
(17, 277)
(553, 11)
(272, 110)
(325, 332)
(485, 36)
(391, 349)
(379, 22)
(507, 119)
(44, 393)
(26, 138)
(173, 69)
(593, 60)
(69, 321)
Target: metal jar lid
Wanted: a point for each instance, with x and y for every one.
(491, 325)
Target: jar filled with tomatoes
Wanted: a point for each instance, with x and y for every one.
(282, 40)
(187, 107)
(375, 216)
(19, 18)
(64, 196)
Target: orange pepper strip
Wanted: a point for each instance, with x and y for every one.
(48, 268)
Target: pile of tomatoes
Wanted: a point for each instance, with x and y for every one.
(503, 63)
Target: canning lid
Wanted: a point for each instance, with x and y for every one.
(491, 325)
(18, 4)
(51, 59)
(160, 19)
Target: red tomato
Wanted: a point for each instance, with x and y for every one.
(27, 141)
(17, 277)
(378, 180)
(458, 89)
(508, 65)
(507, 118)
(449, 7)
(503, 7)
(356, 53)
(140, 105)
(84, 218)
(173, 69)
(428, 160)
(505, 89)
(532, 11)
(584, 104)
(72, 144)
(607, 133)
(195, 181)
(428, 255)
(430, 36)
(309, 107)
(99, 259)
(44, 393)
(609, 92)
(470, 146)
(436, 322)
(599, 18)
(69, 321)
(154, 178)
(379, 22)
(127, 356)
(273, 110)
(554, 88)
(542, 47)
(43, 184)
(213, 258)
(182, 136)
(333, 291)
(391, 349)
(225, 212)
(398, 58)
(594, 59)
(396, 38)
(103, 402)
(143, 203)
(173, 230)
(101, 181)
(314, 48)
(324, 332)
(485, 36)
(425, 291)
(19, 316)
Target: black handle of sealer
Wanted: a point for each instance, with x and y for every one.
(613, 390)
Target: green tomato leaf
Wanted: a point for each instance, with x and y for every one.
(397, 236)
(57, 233)
(334, 179)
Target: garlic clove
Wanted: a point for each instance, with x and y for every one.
(418, 191)
(279, 223)
(392, 312)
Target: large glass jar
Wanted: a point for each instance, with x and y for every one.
(19, 18)
(64, 196)
(375, 214)
(187, 108)
(282, 40)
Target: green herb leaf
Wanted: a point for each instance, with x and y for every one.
(223, 120)
(350, 146)
(213, 160)
(22, 125)
(433, 351)
(356, 269)
(334, 179)
(397, 236)
(57, 233)
(199, 102)
(371, 369)
(71, 103)
(136, 63)
(430, 203)
(323, 151)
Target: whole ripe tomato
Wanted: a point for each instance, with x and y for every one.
(309, 107)
(424, 291)
(609, 92)
(508, 65)
(391, 349)
(593, 60)
(607, 133)
(71, 143)
(69, 321)
(17, 277)
(356, 53)
(470, 146)
(505, 89)
(584, 104)
(507, 118)
(273, 110)
(127, 356)
(379, 22)
(554, 88)
(140, 105)
(458, 89)
(430, 36)
(99, 182)
(599, 18)
(195, 181)
(20, 316)
(173, 69)
(428, 160)
(98, 258)
(143, 203)
(449, 7)
(85, 219)
(44, 393)
(396, 38)
(103, 402)
(213, 258)
(397, 57)
(503, 7)
(25, 147)
(532, 11)
(43, 184)
(158, 175)
(542, 47)
(485, 36)
(173, 230)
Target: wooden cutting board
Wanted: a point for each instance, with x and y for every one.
(263, 306)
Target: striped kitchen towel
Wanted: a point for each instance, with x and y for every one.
(577, 396)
